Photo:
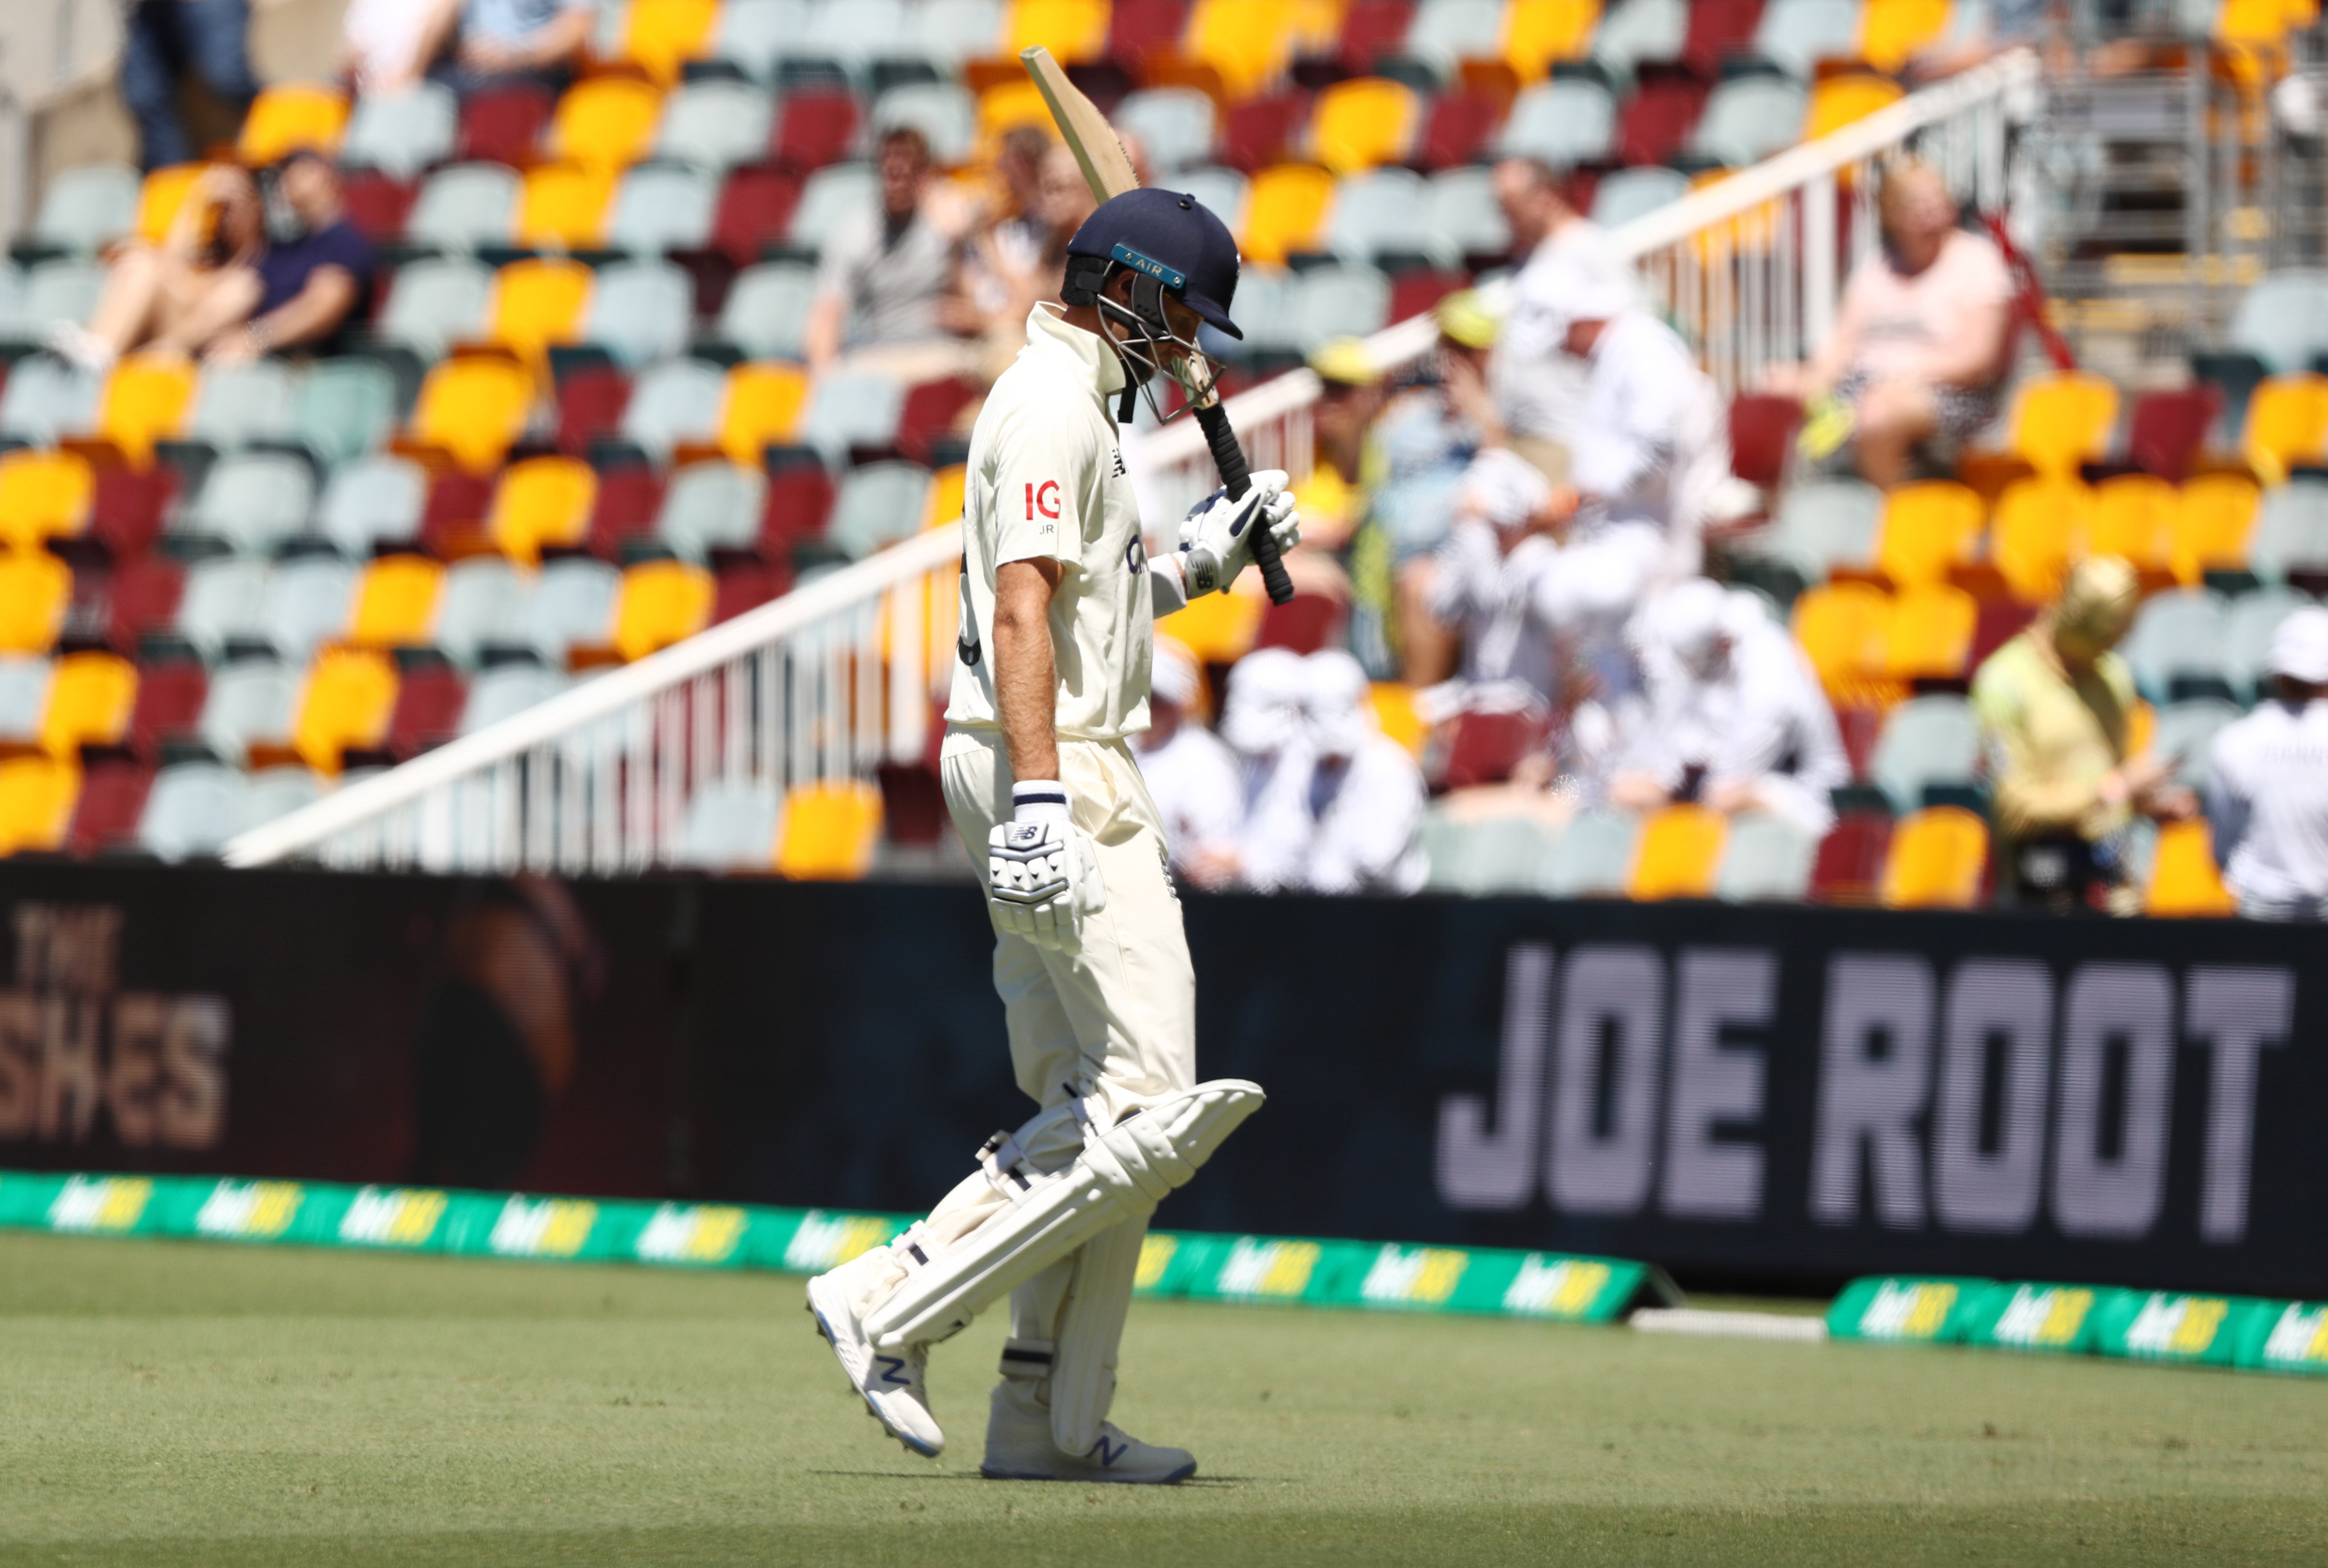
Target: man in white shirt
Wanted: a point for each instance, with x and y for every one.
(2267, 788)
(1539, 388)
(1192, 775)
(1059, 600)
(1334, 804)
(1485, 580)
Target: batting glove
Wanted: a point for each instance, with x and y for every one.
(1217, 536)
(1042, 870)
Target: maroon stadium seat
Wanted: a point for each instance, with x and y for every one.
(2169, 429)
(428, 702)
(503, 125)
(378, 204)
(755, 209)
(929, 415)
(1457, 129)
(170, 693)
(817, 128)
(1850, 865)
(1656, 121)
(912, 803)
(1719, 29)
(1859, 726)
(1260, 131)
(1304, 623)
(458, 502)
(630, 494)
(1487, 746)
(126, 510)
(747, 584)
(144, 597)
(1372, 29)
(1999, 621)
(1762, 429)
(799, 505)
(1137, 28)
(1417, 288)
(590, 404)
(112, 798)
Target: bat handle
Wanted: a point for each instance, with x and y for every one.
(1229, 457)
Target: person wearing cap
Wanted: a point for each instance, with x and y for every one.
(1335, 805)
(2055, 706)
(2267, 782)
(1734, 717)
(1191, 774)
(1051, 681)
(1337, 499)
(1539, 388)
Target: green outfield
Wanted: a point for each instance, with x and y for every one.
(191, 1406)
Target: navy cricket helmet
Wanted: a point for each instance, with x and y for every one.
(1171, 238)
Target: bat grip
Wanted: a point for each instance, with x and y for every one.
(1229, 457)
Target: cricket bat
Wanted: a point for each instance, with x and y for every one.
(1108, 173)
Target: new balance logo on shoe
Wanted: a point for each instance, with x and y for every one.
(893, 1369)
(1109, 1454)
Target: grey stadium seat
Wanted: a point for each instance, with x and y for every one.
(1500, 855)
(1926, 740)
(402, 134)
(251, 700)
(714, 125)
(2283, 320)
(62, 290)
(855, 32)
(192, 809)
(1219, 191)
(950, 31)
(856, 408)
(1446, 32)
(573, 605)
(2248, 626)
(277, 792)
(1265, 308)
(2186, 733)
(1765, 859)
(731, 826)
(1565, 121)
(432, 304)
(879, 504)
(1464, 214)
(1638, 30)
(506, 690)
(307, 601)
(641, 312)
(832, 195)
(2291, 533)
(221, 603)
(370, 502)
(678, 401)
(1749, 118)
(2177, 634)
(1383, 211)
(660, 207)
(465, 207)
(711, 506)
(251, 500)
(1345, 301)
(1594, 857)
(23, 695)
(1176, 125)
(47, 399)
(235, 405)
(1797, 34)
(940, 110)
(1824, 525)
(753, 33)
(345, 407)
(484, 600)
(1630, 194)
(766, 313)
(86, 209)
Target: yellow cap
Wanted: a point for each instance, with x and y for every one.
(1464, 316)
(1345, 361)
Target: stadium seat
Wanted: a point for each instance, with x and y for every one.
(1502, 854)
(829, 831)
(193, 810)
(2041, 526)
(660, 36)
(848, 410)
(290, 117)
(663, 207)
(44, 494)
(591, 400)
(2248, 626)
(171, 693)
(25, 679)
(1265, 131)
(1176, 125)
(832, 196)
(1331, 301)
(1655, 123)
(800, 502)
(2291, 533)
(2287, 424)
(1249, 43)
(475, 408)
(1762, 435)
(91, 697)
(1284, 211)
(752, 33)
(429, 697)
(763, 409)
(84, 209)
(1926, 740)
(402, 134)
(112, 798)
(277, 792)
(563, 206)
(1537, 34)
(934, 412)
(540, 502)
(372, 501)
(1003, 108)
(1797, 34)
(943, 112)
(160, 196)
(537, 303)
(1217, 628)
(879, 504)
(1927, 527)
(1824, 525)
(2176, 635)
(663, 602)
(251, 702)
(2212, 522)
(1839, 100)
(1938, 860)
(349, 695)
(1765, 859)
(1891, 32)
(608, 123)
(681, 401)
(47, 401)
(715, 126)
(1222, 191)
(755, 211)
(1072, 30)
(1363, 122)
(1849, 869)
(1641, 30)
(1748, 118)
(1630, 194)
(1562, 122)
(462, 208)
(2134, 517)
(816, 128)
(508, 690)
(2183, 880)
(252, 501)
(2186, 732)
(36, 802)
(1458, 128)
(482, 601)
(2169, 428)
(712, 506)
(573, 606)
(435, 305)
(1927, 634)
(1446, 32)
(344, 408)
(1679, 853)
(2060, 421)
(1595, 857)
(730, 825)
(307, 604)
(2283, 319)
(641, 312)
(236, 404)
(629, 496)
(1719, 33)
(1842, 627)
(395, 602)
(379, 205)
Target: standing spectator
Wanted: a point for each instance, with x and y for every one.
(1915, 356)
(887, 277)
(1734, 717)
(1538, 386)
(478, 43)
(165, 42)
(1194, 779)
(2267, 789)
(1426, 434)
(2054, 705)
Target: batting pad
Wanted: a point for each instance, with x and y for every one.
(1122, 1174)
(1091, 1327)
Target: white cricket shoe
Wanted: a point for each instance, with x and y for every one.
(1019, 1448)
(891, 1386)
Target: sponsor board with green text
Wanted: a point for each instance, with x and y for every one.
(25, 1196)
(1904, 1310)
(2035, 1317)
(2285, 1336)
(2162, 1325)
(1273, 1268)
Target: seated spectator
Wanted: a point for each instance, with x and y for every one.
(1193, 778)
(1019, 261)
(1915, 357)
(1485, 583)
(389, 44)
(1538, 386)
(164, 41)
(471, 45)
(1733, 716)
(1337, 805)
(217, 286)
(2054, 705)
(884, 290)
(2267, 782)
(1262, 722)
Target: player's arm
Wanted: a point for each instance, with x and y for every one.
(1026, 671)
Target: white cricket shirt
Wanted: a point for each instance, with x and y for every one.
(2268, 794)
(1046, 479)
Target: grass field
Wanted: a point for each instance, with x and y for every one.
(163, 1403)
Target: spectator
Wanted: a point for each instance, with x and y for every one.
(1344, 551)
(389, 44)
(884, 289)
(165, 40)
(2054, 705)
(469, 44)
(1335, 804)
(1915, 356)
(1734, 715)
(1261, 720)
(1487, 582)
(1193, 778)
(2267, 787)
(1538, 386)
(1022, 260)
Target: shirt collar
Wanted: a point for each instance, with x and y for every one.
(1049, 333)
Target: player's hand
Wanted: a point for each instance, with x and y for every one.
(1042, 880)
(1217, 536)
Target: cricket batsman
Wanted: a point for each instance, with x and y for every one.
(1059, 600)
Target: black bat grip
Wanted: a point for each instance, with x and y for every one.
(1229, 459)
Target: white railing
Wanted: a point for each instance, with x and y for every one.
(837, 677)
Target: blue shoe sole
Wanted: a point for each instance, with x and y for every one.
(1175, 1479)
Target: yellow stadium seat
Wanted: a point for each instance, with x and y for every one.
(145, 400)
(1679, 853)
(1394, 706)
(542, 500)
(1841, 100)
(1072, 30)
(1249, 43)
(2041, 526)
(2287, 424)
(1928, 634)
(395, 602)
(474, 408)
(1537, 33)
(36, 802)
(659, 36)
(2134, 517)
(1362, 122)
(1841, 628)
(949, 487)
(1928, 527)
(164, 193)
(538, 303)
(35, 588)
(297, 115)
(563, 206)
(350, 696)
(2183, 879)
(1937, 861)
(2141, 729)
(1893, 31)
(1218, 628)
(1284, 208)
(1004, 107)
(2211, 524)
(1318, 26)
(608, 123)
(90, 695)
(663, 602)
(763, 409)
(829, 831)
(2061, 421)
(44, 494)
